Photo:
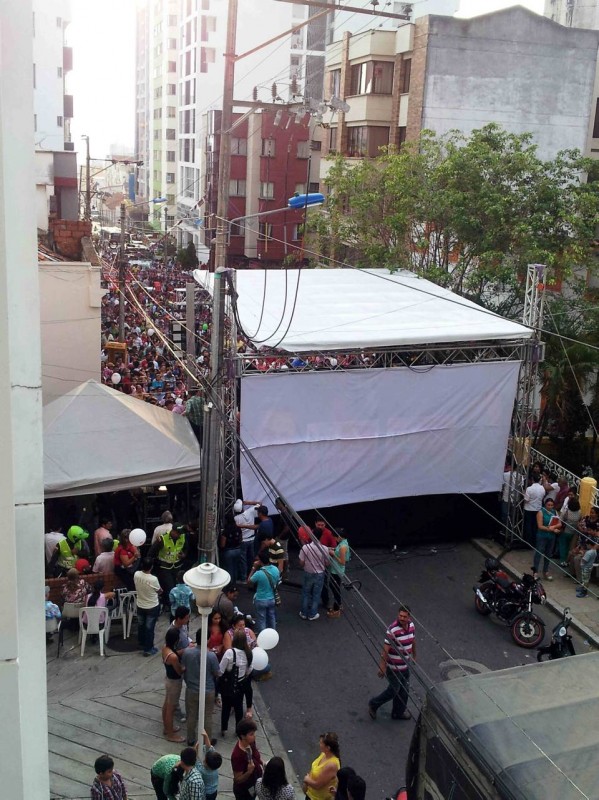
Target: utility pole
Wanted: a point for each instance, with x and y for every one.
(190, 325)
(122, 265)
(88, 188)
(214, 423)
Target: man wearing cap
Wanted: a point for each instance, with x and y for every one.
(245, 520)
(69, 549)
(170, 550)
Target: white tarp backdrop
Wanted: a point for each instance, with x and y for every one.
(331, 438)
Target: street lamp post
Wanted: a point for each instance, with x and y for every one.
(206, 582)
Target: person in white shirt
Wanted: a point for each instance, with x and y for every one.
(166, 527)
(550, 485)
(245, 519)
(533, 502)
(148, 605)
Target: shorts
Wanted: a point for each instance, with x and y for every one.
(172, 689)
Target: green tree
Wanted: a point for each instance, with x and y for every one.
(467, 212)
(187, 256)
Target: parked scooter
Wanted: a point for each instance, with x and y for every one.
(561, 645)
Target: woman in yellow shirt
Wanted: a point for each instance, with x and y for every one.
(323, 772)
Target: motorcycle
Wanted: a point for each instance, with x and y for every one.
(511, 601)
(561, 645)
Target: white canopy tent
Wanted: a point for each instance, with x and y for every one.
(340, 309)
(99, 440)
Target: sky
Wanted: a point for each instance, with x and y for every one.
(102, 34)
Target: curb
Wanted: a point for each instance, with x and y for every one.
(483, 546)
(274, 740)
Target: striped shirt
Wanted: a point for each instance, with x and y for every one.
(400, 641)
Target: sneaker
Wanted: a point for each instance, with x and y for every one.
(581, 593)
(316, 616)
(333, 614)
(371, 712)
(547, 577)
(405, 715)
(151, 652)
(303, 616)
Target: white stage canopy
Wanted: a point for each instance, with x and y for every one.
(340, 309)
(336, 437)
(99, 440)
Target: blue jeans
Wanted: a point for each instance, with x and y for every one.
(311, 591)
(146, 622)
(545, 543)
(266, 616)
(247, 559)
(230, 560)
(398, 685)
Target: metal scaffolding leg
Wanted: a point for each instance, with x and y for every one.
(524, 411)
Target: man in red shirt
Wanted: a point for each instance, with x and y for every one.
(324, 534)
(246, 760)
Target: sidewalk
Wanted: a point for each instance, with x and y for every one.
(561, 591)
(112, 705)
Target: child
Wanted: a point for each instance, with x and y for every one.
(586, 567)
(52, 610)
(181, 594)
(209, 768)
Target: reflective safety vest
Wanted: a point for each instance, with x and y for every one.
(170, 552)
(66, 558)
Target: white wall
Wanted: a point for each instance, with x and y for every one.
(49, 91)
(514, 68)
(70, 297)
(23, 725)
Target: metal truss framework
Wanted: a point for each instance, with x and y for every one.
(420, 357)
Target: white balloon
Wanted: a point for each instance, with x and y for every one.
(151, 331)
(137, 537)
(259, 658)
(115, 378)
(333, 362)
(178, 401)
(268, 638)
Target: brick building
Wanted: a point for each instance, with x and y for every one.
(273, 155)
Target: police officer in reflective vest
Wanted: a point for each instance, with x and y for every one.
(170, 550)
(69, 549)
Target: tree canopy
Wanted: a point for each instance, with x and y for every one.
(467, 212)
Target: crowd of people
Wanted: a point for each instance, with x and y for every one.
(555, 527)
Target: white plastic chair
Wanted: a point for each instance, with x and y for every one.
(129, 611)
(121, 612)
(98, 623)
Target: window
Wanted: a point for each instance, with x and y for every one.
(300, 188)
(171, 89)
(59, 72)
(238, 229)
(406, 74)
(170, 155)
(333, 140)
(172, 44)
(172, 20)
(596, 122)
(364, 141)
(316, 145)
(59, 122)
(171, 134)
(158, 92)
(237, 187)
(314, 187)
(267, 190)
(172, 66)
(171, 111)
(297, 232)
(264, 231)
(335, 82)
(170, 199)
(239, 147)
(205, 5)
(157, 133)
(170, 177)
(157, 113)
(371, 77)
(268, 148)
(401, 136)
(303, 149)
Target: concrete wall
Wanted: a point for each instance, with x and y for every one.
(70, 299)
(48, 43)
(574, 13)
(512, 67)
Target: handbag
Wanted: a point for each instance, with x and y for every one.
(229, 680)
(273, 586)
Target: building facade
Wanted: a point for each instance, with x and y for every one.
(512, 67)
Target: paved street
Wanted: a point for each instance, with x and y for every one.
(325, 671)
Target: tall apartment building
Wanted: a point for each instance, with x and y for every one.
(581, 14)
(55, 161)
(512, 67)
(157, 57)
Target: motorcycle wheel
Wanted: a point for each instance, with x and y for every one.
(482, 608)
(527, 630)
